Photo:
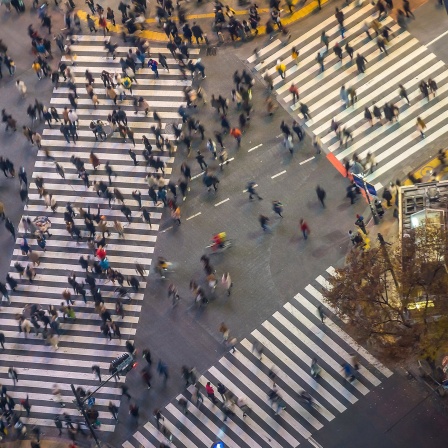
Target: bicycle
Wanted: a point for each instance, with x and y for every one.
(214, 249)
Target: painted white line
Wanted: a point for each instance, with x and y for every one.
(197, 175)
(378, 186)
(278, 136)
(255, 147)
(168, 228)
(436, 39)
(307, 160)
(314, 443)
(278, 174)
(228, 160)
(222, 202)
(193, 216)
(255, 186)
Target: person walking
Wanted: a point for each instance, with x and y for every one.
(210, 392)
(97, 372)
(227, 282)
(264, 222)
(113, 409)
(320, 312)
(12, 374)
(277, 207)
(304, 228)
(10, 227)
(361, 63)
(421, 126)
(320, 61)
(324, 39)
(321, 195)
(252, 192)
(403, 93)
(360, 223)
(58, 424)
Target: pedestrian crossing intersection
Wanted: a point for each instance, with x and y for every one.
(394, 145)
(81, 343)
(290, 339)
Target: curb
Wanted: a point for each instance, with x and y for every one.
(158, 36)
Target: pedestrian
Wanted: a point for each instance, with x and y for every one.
(315, 369)
(281, 69)
(338, 51)
(158, 416)
(304, 110)
(125, 390)
(403, 93)
(12, 373)
(361, 63)
(321, 195)
(134, 410)
(421, 126)
(236, 133)
(26, 405)
(387, 195)
(304, 228)
(295, 92)
(58, 424)
(97, 372)
(222, 390)
(264, 222)
(162, 370)
(277, 207)
(407, 9)
(324, 39)
(113, 409)
(432, 87)
(227, 282)
(21, 87)
(360, 223)
(251, 190)
(2, 340)
(146, 376)
(320, 312)
(10, 227)
(210, 392)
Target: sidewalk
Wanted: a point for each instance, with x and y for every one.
(202, 13)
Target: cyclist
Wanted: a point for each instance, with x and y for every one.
(162, 265)
(219, 240)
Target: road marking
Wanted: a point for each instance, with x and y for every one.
(255, 147)
(168, 228)
(255, 186)
(227, 161)
(437, 38)
(197, 175)
(314, 443)
(307, 160)
(278, 174)
(222, 202)
(193, 216)
(278, 136)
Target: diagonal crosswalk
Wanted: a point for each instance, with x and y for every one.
(393, 144)
(290, 339)
(81, 343)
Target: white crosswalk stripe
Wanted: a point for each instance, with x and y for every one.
(81, 343)
(394, 144)
(290, 339)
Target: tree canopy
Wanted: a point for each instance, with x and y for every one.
(396, 295)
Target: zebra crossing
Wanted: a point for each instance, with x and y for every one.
(81, 343)
(394, 144)
(290, 339)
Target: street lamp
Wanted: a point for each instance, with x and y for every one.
(120, 365)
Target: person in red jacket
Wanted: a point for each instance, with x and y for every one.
(101, 253)
(210, 392)
(304, 228)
